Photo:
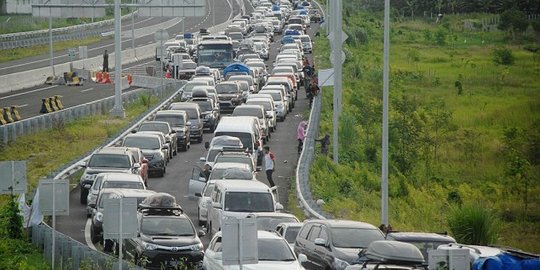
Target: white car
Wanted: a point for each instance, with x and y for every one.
(203, 201)
(274, 253)
(289, 231)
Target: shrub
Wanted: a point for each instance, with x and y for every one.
(474, 225)
(536, 25)
(503, 56)
(513, 20)
(440, 37)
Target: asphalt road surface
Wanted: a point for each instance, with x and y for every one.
(283, 143)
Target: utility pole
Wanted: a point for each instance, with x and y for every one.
(133, 29)
(118, 109)
(51, 53)
(337, 61)
(384, 176)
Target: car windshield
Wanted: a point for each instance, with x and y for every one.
(123, 184)
(355, 237)
(192, 113)
(161, 127)
(173, 226)
(267, 105)
(274, 250)
(226, 88)
(174, 121)
(239, 111)
(248, 202)
(190, 85)
(270, 223)
(231, 173)
(235, 159)
(305, 39)
(275, 96)
(109, 160)
(291, 233)
(102, 198)
(211, 156)
(142, 142)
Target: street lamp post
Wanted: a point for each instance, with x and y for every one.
(384, 176)
(118, 109)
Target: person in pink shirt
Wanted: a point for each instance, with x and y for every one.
(301, 135)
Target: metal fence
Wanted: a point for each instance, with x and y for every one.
(71, 254)
(38, 37)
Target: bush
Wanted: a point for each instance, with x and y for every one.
(474, 225)
(536, 25)
(514, 20)
(503, 56)
(440, 37)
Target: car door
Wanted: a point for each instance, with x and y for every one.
(314, 259)
(197, 182)
(325, 253)
(213, 256)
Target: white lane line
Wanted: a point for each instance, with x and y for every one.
(86, 90)
(22, 106)
(87, 235)
(28, 92)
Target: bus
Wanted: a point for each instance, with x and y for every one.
(215, 53)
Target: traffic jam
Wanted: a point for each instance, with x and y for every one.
(240, 95)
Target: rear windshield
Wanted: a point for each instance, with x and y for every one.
(248, 202)
(123, 184)
(205, 105)
(174, 121)
(109, 160)
(163, 128)
(192, 113)
(248, 112)
(267, 105)
(226, 88)
(142, 142)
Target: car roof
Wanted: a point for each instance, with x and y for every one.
(113, 150)
(275, 214)
(154, 122)
(341, 223)
(249, 106)
(128, 193)
(144, 134)
(420, 236)
(243, 186)
(291, 224)
(116, 176)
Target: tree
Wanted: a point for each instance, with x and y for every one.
(513, 20)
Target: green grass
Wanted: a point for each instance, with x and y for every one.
(61, 46)
(20, 254)
(470, 157)
(23, 23)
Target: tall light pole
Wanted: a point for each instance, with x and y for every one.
(386, 78)
(118, 109)
(337, 61)
(51, 53)
(133, 29)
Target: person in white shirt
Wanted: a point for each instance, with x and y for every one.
(269, 162)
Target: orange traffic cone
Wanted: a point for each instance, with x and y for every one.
(168, 74)
(106, 78)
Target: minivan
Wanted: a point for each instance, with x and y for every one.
(194, 115)
(245, 128)
(239, 198)
(179, 122)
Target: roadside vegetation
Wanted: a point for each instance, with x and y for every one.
(464, 124)
(14, 23)
(44, 152)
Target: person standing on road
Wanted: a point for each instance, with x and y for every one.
(301, 135)
(105, 61)
(269, 164)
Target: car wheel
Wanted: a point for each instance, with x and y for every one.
(209, 229)
(84, 194)
(200, 139)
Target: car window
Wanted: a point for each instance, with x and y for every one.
(175, 121)
(97, 183)
(314, 233)
(323, 234)
(205, 105)
(291, 234)
(249, 202)
(355, 237)
(208, 190)
(157, 225)
(226, 88)
(142, 142)
(274, 250)
(123, 184)
(109, 160)
(270, 223)
(161, 127)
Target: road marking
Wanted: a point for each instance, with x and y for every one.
(22, 106)
(86, 90)
(28, 92)
(87, 235)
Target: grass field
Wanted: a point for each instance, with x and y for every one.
(22, 23)
(447, 149)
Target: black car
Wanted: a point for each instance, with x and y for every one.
(334, 244)
(209, 113)
(178, 120)
(167, 238)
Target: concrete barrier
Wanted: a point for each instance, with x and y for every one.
(150, 82)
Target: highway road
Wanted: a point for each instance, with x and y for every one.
(29, 100)
(283, 143)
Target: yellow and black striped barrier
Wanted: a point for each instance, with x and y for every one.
(51, 104)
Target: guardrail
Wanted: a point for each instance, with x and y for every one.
(32, 38)
(303, 191)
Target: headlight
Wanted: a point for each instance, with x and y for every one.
(149, 246)
(196, 247)
(89, 177)
(340, 264)
(99, 216)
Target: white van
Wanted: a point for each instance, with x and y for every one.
(239, 198)
(247, 129)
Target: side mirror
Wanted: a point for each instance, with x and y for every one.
(320, 242)
(83, 164)
(133, 131)
(198, 194)
(302, 258)
(202, 159)
(216, 205)
(207, 145)
(201, 233)
(136, 166)
(279, 207)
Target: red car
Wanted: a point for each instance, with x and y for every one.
(139, 158)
